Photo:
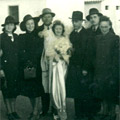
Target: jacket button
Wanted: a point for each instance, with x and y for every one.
(5, 61)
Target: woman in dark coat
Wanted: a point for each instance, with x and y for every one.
(106, 66)
(30, 51)
(9, 60)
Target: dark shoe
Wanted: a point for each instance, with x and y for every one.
(43, 114)
(76, 118)
(113, 117)
(10, 116)
(105, 117)
(35, 117)
(16, 116)
(30, 116)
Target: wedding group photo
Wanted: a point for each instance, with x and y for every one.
(59, 60)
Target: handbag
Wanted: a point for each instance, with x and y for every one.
(29, 72)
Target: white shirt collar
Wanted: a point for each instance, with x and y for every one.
(11, 35)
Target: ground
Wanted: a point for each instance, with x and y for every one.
(24, 108)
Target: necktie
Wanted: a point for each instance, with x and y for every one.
(48, 28)
(94, 29)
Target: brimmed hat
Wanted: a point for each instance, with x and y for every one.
(93, 11)
(8, 20)
(47, 11)
(25, 19)
(77, 15)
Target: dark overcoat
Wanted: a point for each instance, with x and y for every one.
(9, 62)
(30, 49)
(77, 85)
(106, 65)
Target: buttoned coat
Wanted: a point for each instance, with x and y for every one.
(9, 62)
(106, 66)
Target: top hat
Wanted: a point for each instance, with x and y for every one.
(47, 11)
(25, 19)
(77, 15)
(93, 11)
(8, 20)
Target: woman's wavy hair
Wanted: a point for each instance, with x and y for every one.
(107, 19)
(58, 22)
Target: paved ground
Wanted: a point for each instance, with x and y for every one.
(24, 108)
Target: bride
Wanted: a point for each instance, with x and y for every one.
(57, 52)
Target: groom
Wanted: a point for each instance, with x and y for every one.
(47, 18)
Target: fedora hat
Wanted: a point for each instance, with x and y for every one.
(9, 19)
(25, 19)
(47, 11)
(93, 11)
(77, 15)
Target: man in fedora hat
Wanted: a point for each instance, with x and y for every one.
(77, 83)
(94, 18)
(47, 18)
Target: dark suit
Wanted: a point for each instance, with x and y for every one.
(46, 96)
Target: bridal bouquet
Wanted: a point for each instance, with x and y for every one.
(62, 47)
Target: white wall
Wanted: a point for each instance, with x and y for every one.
(62, 8)
(112, 13)
(88, 6)
(33, 7)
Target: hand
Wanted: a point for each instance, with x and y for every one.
(5, 84)
(1, 53)
(84, 72)
(2, 74)
(40, 34)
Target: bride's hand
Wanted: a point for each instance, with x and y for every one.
(40, 34)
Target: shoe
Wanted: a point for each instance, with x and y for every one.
(42, 114)
(10, 116)
(30, 116)
(35, 117)
(62, 115)
(76, 118)
(16, 116)
(56, 117)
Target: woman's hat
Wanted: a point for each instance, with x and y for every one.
(25, 19)
(93, 11)
(10, 19)
(77, 15)
(47, 11)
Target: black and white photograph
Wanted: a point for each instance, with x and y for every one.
(59, 59)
